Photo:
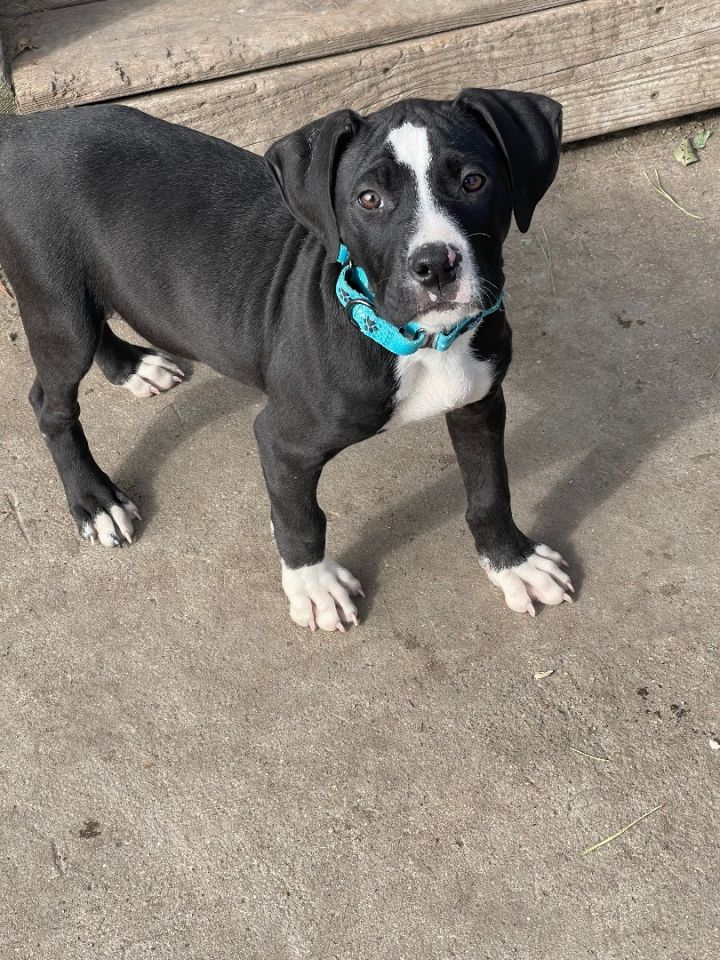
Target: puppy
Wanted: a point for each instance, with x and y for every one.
(354, 273)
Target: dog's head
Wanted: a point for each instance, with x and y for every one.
(422, 193)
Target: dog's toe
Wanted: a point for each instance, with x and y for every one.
(321, 594)
(111, 524)
(539, 577)
(154, 374)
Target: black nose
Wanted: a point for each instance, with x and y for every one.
(435, 265)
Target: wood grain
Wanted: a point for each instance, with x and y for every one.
(7, 98)
(18, 8)
(613, 65)
(114, 48)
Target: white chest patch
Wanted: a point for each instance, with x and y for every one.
(431, 382)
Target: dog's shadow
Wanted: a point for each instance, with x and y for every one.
(596, 475)
(203, 404)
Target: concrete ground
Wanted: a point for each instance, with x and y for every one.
(184, 773)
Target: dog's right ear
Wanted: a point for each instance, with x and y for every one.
(304, 164)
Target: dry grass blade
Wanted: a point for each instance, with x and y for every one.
(659, 188)
(591, 756)
(614, 836)
(547, 253)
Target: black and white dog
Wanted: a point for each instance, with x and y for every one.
(213, 253)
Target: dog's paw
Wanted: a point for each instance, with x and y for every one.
(108, 521)
(321, 595)
(539, 577)
(154, 374)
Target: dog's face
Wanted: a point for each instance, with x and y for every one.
(422, 194)
(423, 203)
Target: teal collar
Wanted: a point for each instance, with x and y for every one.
(353, 291)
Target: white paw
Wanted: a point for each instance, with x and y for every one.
(320, 595)
(109, 525)
(155, 374)
(537, 578)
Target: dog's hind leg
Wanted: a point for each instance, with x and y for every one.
(63, 340)
(142, 371)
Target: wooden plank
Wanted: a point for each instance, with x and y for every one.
(18, 8)
(612, 65)
(113, 48)
(7, 97)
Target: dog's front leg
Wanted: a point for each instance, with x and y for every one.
(320, 591)
(524, 571)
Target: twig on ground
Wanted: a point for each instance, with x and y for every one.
(13, 512)
(592, 756)
(614, 836)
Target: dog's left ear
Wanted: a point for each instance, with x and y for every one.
(305, 163)
(528, 127)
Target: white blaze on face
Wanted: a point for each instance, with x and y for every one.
(411, 147)
(430, 382)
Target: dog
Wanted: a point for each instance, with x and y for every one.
(354, 274)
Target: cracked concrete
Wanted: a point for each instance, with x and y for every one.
(184, 773)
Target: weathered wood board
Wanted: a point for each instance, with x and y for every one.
(18, 8)
(612, 65)
(86, 52)
(7, 98)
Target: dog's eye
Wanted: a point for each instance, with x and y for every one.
(473, 182)
(370, 200)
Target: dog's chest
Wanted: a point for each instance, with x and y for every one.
(431, 382)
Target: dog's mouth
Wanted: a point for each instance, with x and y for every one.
(435, 310)
(434, 315)
(445, 312)
(440, 305)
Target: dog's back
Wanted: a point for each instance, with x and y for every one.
(115, 167)
(118, 207)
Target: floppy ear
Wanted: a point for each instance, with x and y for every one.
(528, 127)
(304, 164)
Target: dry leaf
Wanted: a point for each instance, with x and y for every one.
(685, 153)
(699, 141)
(22, 44)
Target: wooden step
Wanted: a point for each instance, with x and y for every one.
(18, 8)
(612, 64)
(7, 98)
(252, 70)
(83, 52)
